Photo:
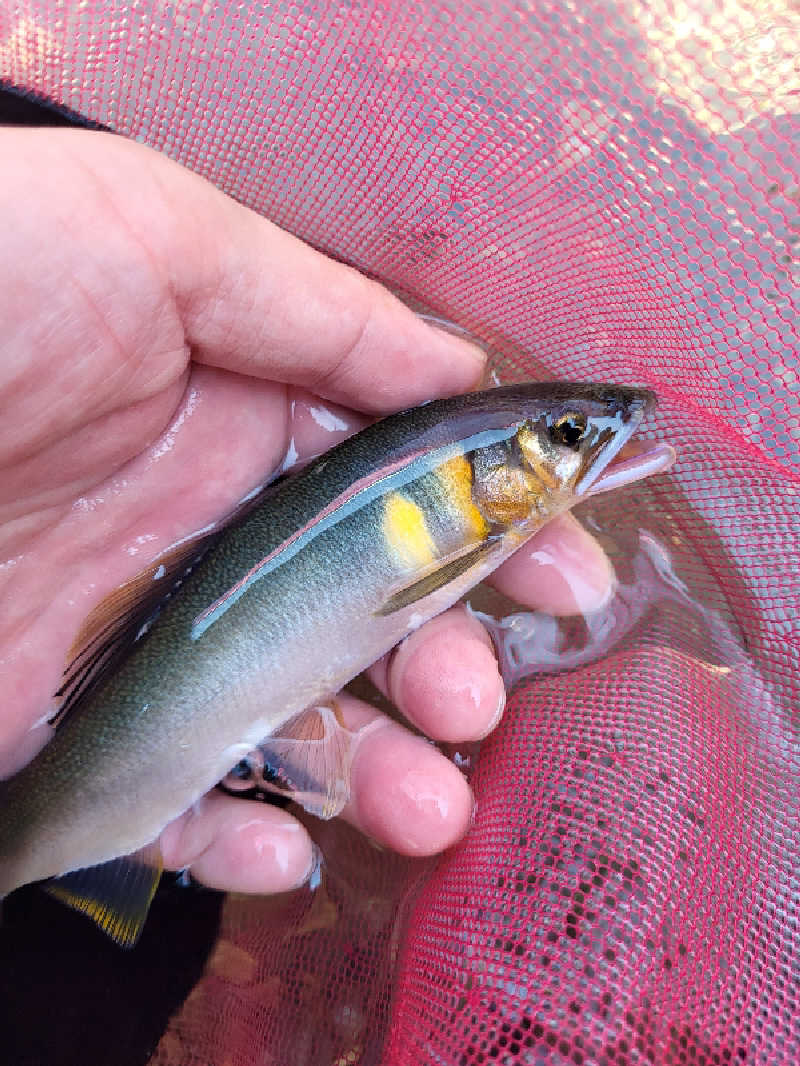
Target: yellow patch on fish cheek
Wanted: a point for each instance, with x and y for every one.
(406, 532)
(456, 478)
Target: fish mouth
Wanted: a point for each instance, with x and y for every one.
(621, 460)
(631, 461)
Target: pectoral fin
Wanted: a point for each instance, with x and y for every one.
(308, 760)
(116, 895)
(445, 571)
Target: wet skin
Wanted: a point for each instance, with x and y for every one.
(157, 366)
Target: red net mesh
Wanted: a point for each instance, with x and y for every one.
(598, 190)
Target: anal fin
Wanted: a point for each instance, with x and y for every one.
(116, 895)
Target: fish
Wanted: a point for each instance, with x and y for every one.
(236, 642)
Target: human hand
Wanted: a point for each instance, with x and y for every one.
(164, 349)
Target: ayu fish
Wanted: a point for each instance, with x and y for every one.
(210, 662)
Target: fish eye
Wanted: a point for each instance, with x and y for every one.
(569, 429)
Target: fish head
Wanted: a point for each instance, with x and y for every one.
(570, 442)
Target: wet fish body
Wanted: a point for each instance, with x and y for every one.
(330, 570)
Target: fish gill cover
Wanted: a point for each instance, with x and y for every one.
(603, 190)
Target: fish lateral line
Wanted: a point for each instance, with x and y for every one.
(442, 484)
(362, 492)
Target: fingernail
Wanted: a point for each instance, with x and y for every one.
(447, 326)
(184, 877)
(589, 587)
(373, 843)
(473, 812)
(498, 714)
(571, 578)
(313, 875)
(469, 341)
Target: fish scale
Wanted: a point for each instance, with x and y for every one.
(327, 570)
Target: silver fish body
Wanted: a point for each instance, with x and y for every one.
(331, 568)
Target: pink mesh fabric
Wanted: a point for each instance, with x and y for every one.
(598, 190)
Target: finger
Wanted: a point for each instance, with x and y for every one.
(444, 678)
(258, 301)
(288, 313)
(404, 793)
(561, 570)
(315, 425)
(239, 847)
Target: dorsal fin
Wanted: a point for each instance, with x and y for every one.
(121, 618)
